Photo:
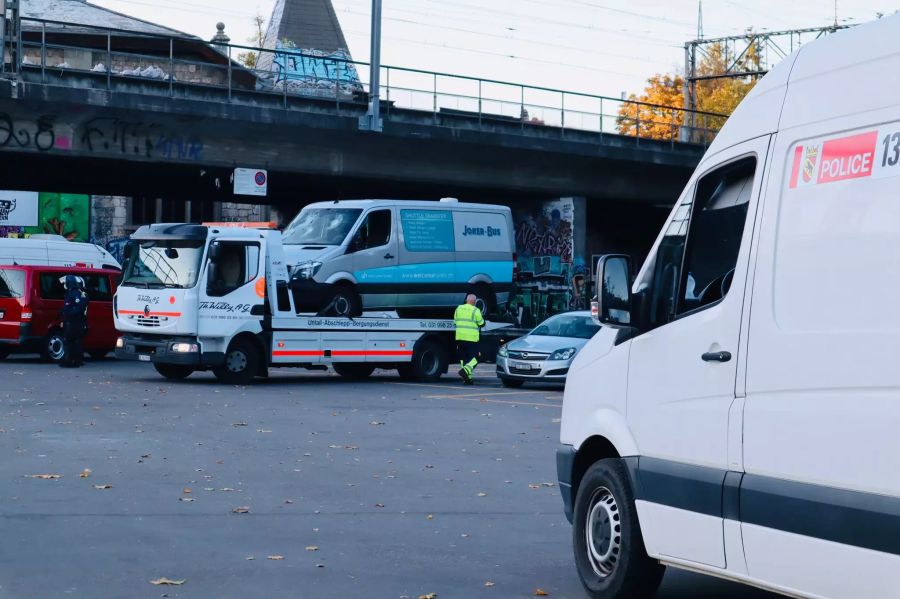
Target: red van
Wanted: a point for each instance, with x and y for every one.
(31, 298)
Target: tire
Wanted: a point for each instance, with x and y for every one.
(346, 301)
(353, 371)
(606, 519)
(99, 354)
(53, 347)
(175, 372)
(511, 383)
(486, 298)
(241, 363)
(429, 362)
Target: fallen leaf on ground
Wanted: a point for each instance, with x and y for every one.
(379, 505)
(541, 593)
(428, 596)
(548, 484)
(262, 430)
(44, 476)
(489, 584)
(85, 473)
(289, 501)
(250, 557)
(164, 580)
(534, 486)
(226, 489)
(430, 516)
(186, 490)
(103, 486)
(276, 557)
(376, 423)
(312, 548)
(239, 424)
(241, 509)
(482, 494)
(188, 499)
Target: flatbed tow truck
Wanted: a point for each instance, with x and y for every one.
(209, 297)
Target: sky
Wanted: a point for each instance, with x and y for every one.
(602, 47)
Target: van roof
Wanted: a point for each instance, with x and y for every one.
(68, 269)
(841, 74)
(450, 205)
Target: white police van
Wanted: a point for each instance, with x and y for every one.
(743, 419)
(403, 255)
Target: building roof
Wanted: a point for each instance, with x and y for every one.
(85, 13)
(308, 24)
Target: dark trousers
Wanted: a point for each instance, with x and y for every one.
(73, 334)
(468, 354)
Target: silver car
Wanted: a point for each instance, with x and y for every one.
(545, 354)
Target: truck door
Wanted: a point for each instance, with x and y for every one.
(374, 254)
(233, 290)
(683, 367)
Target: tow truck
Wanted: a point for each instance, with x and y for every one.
(217, 297)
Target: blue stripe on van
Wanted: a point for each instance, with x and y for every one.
(497, 271)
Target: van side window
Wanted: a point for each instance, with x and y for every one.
(97, 287)
(51, 287)
(695, 262)
(237, 265)
(374, 232)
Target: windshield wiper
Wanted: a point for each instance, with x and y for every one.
(134, 284)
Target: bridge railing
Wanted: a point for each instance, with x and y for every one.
(68, 53)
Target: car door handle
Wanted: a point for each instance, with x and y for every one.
(388, 256)
(716, 356)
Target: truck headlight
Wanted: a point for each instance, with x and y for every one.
(120, 343)
(563, 354)
(306, 270)
(184, 348)
(502, 352)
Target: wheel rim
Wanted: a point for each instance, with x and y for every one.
(236, 361)
(428, 362)
(603, 532)
(341, 305)
(56, 348)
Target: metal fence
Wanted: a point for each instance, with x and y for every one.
(65, 53)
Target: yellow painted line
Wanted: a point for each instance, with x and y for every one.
(481, 394)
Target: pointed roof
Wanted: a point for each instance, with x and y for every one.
(309, 24)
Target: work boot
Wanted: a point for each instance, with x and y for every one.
(465, 376)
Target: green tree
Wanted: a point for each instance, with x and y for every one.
(249, 58)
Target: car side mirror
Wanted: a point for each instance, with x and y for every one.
(613, 305)
(212, 277)
(214, 252)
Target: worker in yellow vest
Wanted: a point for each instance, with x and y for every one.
(468, 321)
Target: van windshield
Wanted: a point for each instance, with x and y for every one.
(12, 283)
(321, 226)
(157, 264)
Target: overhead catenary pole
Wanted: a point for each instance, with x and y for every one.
(372, 120)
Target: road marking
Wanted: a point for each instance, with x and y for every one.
(480, 399)
(481, 394)
(445, 387)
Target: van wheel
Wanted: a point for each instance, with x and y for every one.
(353, 371)
(486, 298)
(241, 363)
(610, 556)
(53, 347)
(175, 372)
(429, 362)
(346, 301)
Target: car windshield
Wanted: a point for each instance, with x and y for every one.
(170, 263)
(578, 326)
(321, 226)
(12, 283)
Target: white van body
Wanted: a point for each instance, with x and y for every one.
(54, 250)
(751, 416)
(387, 254)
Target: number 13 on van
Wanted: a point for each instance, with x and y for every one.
(873, 154)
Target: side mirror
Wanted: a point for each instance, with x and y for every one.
(613, 305)
(212, 276)
(215, 251)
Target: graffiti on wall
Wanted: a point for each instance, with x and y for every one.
(314, 69)
(137, 138)
(550, 278)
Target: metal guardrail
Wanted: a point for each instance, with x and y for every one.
(175, 65)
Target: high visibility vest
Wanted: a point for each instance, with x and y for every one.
(468, 321)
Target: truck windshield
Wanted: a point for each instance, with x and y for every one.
(321, 226)
(170, 263)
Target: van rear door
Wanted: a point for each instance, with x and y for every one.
(683, 366)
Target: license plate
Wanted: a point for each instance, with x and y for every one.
(144, 358)
(521, 365)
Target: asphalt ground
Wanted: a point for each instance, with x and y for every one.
(373, 489)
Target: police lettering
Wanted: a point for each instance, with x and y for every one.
(847, 166)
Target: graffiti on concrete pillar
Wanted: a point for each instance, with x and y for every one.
(314, 68)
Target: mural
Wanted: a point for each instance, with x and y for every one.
(58, 214)
(309, 71)
(550, 278)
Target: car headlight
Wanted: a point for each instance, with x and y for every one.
(306, 270)
(563, 354)
(185, 348)
(502, 352)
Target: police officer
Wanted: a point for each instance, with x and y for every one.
(73, 316)
(468, 321)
